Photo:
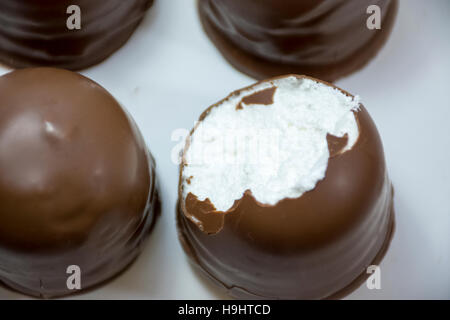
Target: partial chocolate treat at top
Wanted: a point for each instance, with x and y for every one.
(303, 223)
(327, 39)
(35, 32)
(77, 182)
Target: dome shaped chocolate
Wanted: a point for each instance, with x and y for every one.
(77, 183)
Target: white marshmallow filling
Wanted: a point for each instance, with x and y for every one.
(276, 151)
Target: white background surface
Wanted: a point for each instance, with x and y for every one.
(169, 72)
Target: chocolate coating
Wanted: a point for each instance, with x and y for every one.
(311, 247)
(327, 39)
(261, 97)
(34, 32)
(77, 183)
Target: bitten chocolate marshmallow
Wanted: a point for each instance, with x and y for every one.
(284, 192)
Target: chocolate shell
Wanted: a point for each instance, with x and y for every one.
(326, 39)
(315, 246)
(34, 32)
(77, 182)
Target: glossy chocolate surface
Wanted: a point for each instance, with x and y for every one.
(77, 183)
(311, 247)
(326, 39)
(34, 32)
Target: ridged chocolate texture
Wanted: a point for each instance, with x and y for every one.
(77, 182)
(324, 39)
(34, 32)
(313, 247)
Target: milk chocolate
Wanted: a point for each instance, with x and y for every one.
(260, 97)
(34, 32)
(327, 39)
(77, 182)
(315, 246)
